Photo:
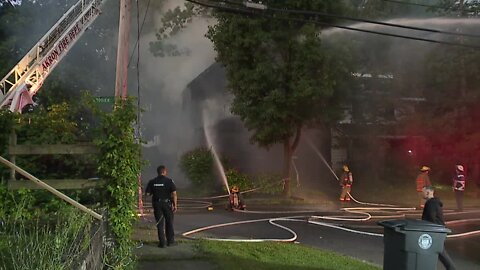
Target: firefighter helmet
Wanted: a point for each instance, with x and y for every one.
(425, 169)
(460, 168)
(235, 189)
(345, 168)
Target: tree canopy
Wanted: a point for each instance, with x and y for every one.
(280, 75)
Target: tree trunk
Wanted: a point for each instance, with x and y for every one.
(288, 151)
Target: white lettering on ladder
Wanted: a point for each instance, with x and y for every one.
(63, 44)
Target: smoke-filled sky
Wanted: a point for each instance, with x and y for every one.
(165, 123)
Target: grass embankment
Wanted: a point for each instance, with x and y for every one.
(268, 255)
(44, 244)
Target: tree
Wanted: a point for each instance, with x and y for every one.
(281, 77)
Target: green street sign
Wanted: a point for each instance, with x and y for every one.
(104, 99)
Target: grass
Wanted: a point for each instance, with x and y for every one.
(270, 255)
(36, 245)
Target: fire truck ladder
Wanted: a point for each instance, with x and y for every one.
(19, 86)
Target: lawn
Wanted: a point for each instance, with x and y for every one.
(272, 255)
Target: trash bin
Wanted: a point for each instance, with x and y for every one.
(412, 244)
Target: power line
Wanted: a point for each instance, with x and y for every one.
(141, 29)
(415, 4)
(323, 14)
(315, 21)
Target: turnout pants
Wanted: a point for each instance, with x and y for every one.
(164, 217)
(459, 199)
(344, 195)
(421, 198)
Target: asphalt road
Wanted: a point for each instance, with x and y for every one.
(464, 251)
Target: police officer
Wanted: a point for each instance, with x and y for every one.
(164, 201)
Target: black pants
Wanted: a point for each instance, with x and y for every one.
(446, 260)
(459, 199)
(164, 217)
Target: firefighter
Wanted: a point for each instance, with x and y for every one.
(422, 180)
(459, 185)
(346, 183)
(235, 199)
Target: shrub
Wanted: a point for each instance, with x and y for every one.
(269, 183)
(236, 178)
(198, 166)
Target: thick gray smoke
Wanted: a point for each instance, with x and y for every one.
(165, 123)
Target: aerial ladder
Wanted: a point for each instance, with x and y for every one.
(19, 86)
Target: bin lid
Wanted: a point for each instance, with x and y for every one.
(414, 225)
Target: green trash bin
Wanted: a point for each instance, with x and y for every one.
(412, 244)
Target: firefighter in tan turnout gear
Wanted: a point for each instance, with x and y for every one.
(235, 199)
(346, 182)
(422, 180)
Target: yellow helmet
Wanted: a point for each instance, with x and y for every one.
(235, 189)
(345, 168)
(425, 168)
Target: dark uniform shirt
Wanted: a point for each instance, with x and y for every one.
(161, 187)
(433, 211)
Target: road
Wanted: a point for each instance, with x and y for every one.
(464, 251)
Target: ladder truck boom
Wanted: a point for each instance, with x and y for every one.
(19, 86)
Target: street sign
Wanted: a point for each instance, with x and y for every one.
(110, 99)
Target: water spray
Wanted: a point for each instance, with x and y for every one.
(334, 174)
(214, 152)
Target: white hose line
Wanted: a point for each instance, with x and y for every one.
(338, 179)
(270, 220)
(344, 229)
(462, 212)
(465, 234)
(185, 204)
(182, 202)
(462, 221)
(344, 219)
(276, 212)
(373, 204)
(294, 234)
(221, 196)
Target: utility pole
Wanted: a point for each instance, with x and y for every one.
(121, 80)
(463, 77)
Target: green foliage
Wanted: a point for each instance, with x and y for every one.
(198, 166)
(269, 183)
(120, 164)
(236, 178)
(280, 75)
(36, 244)
(56, 124)
(173, 21)
(6, 122)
